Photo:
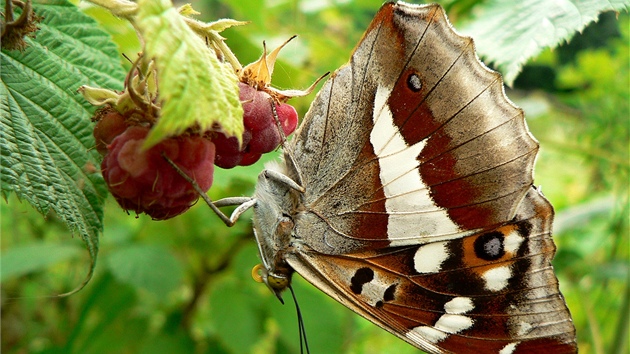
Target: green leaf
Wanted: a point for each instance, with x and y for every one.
(509, 33)
(236, 314)
(22, 260)
(195, 88)
(152, 268)
(46, 145)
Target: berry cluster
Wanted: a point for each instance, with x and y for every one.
(144, 181)
(156, 181)
(261, 129)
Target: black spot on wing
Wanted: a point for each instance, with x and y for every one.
(362, 276)
(389, 293)
(490, 246)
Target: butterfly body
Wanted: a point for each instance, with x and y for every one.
(407, 195)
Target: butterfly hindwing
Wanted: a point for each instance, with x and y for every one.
(486, 292)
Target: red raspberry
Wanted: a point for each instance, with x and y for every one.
(228, 153)
(261, 129)
(257, 112)
(265, 140)
(249, 158)
(143, 181)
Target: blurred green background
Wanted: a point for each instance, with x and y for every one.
(184, 285)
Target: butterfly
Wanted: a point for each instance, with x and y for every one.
(407, 195)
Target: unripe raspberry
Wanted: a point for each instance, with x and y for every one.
(110, 124)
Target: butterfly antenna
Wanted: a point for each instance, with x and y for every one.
(287, 152)
(302, 329)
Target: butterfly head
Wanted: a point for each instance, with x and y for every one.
(275, 282)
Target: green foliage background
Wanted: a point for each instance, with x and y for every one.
(184, 285)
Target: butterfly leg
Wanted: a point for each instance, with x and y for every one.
(282, 179)
(243, 203)
(231, 201)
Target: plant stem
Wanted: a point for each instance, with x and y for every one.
(620, 342)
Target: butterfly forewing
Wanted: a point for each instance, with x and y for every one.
(419, 211)
(422, 126)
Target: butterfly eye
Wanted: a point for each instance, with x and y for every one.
(277, 282)
(490, 246)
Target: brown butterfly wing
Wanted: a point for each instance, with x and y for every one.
(420, 213)
(477, 297)
(453, 143)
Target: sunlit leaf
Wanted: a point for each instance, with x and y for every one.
(195, 88)
(509, 33)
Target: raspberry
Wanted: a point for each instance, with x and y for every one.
(261, 130)
(143, 181)
(257, 112)
(249, 158)
(228, 153)
(265, 140)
